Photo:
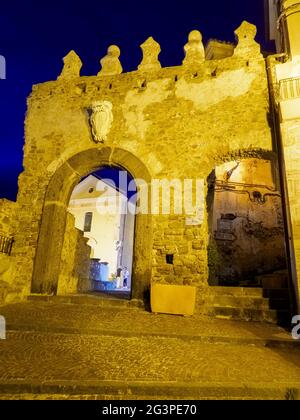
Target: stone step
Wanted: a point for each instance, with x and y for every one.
(278, 298)
(250, 314)
(279, 304)
(40, 317)
(252, 303)
(282, 293)
(236, 291)
(8, 293)
(99, 300)
(90, 364)
(147, 390)
(273, 281)
(239, 301)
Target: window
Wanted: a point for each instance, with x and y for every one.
(88, 222)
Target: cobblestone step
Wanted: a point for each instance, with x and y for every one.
(110, 390)
(77, 351)
(125, 367)
(217, 338)
(135, 322)
(99, 300)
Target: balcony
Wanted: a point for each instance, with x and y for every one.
(289, 88)
(289, 98)
(6, 244)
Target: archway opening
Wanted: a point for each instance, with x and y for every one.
(60, 266)
(102, 210)
(246, 245)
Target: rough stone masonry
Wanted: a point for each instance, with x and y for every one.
(166, 123)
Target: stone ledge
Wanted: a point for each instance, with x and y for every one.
(225, 390)
(203, 338)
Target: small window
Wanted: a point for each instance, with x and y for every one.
(257, 195)
(170, 259)
(88, 222)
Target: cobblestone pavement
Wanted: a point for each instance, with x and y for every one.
(67, 318)
(84, 350)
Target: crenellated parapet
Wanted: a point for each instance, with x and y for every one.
(111, 64)
(247, 46)
(72, 67)
(199, 64)
(151, 50)
(195, 56)
(194, 50)
(115, 106)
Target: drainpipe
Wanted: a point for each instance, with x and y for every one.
(291, 261)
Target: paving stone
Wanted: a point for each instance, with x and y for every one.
(69, 351)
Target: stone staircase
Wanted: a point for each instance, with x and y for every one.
(267, 303)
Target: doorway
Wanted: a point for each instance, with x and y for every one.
(48, 263)
(103, 205)
(246, 223)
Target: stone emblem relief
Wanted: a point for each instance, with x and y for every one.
(101, 120)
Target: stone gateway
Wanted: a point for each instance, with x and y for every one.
(206, 120)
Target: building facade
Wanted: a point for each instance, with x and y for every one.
(107, 219)
(284, 75)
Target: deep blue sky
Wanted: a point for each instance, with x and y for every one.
(36, 34)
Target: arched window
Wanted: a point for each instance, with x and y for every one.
(88, 222)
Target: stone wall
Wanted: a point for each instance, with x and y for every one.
(166, 123)
(75, 261)
(186, 244)
(7, 217)
(9, 291)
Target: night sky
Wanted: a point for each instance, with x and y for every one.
(35, 35)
